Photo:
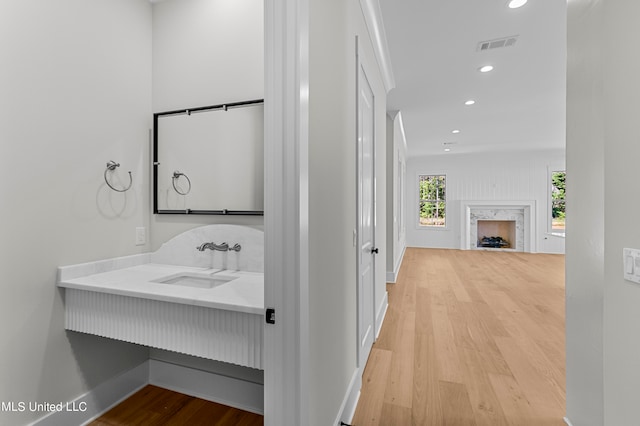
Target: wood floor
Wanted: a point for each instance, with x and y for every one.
(154, 406)
(470, 338)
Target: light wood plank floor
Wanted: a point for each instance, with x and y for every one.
(470, 338)
(154, 406)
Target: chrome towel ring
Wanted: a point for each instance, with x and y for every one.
(176, 176)
(111, 166)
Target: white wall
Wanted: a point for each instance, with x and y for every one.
(396, 182)
(620, 67)
(76, 93)
(205, 52)
(603, 147)
(332, 204)
(586, 207)
(496, 176)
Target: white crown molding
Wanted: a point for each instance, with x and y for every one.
(404, 136)
(373, 18)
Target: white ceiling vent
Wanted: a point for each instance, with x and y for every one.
(497, 43)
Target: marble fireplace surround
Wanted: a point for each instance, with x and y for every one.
(523, 211)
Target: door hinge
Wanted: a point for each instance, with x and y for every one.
(270, 317)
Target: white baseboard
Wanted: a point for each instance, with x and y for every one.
(392, 276)
(567, 421)
(350, 401)
(225, 390)
(382, 312)
(94, 403)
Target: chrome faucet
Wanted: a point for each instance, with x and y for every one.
(213, 246)
(218, 247)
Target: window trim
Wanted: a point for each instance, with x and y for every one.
(417, 225)
(549, 213)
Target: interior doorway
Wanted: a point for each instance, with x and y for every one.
(367, 251)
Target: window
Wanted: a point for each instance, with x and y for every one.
(432, 189)
(558, 202)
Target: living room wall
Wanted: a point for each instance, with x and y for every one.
(484, 177)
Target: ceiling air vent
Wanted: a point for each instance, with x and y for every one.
(496, 43)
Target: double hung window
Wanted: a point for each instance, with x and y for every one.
(432, 204)
(558, 202)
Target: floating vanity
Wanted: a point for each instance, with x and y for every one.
(211, 305)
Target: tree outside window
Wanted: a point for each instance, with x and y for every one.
(558, 201)
(432, 190)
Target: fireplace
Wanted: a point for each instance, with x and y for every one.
(496, 234)
(519, 232)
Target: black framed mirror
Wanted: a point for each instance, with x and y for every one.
(209, 160)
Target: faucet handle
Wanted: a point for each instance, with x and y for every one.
(236, 247)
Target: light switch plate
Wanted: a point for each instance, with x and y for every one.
(631, 264)
(141, 236)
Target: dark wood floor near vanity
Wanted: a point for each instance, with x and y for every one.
(154, 406)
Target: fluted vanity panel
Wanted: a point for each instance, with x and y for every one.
(223, 335)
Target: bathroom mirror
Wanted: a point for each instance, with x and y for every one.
(209, 160)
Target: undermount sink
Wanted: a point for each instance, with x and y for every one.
(193, 280)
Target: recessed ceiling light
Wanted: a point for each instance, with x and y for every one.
(486, 68)
(455, 131)
(514, 4)
(447, 149)
(470, 102)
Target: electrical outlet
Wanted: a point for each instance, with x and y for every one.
(141, 236)
(631, 261)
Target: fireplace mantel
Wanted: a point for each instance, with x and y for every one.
(527, 206)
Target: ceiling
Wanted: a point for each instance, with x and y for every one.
(520, 105)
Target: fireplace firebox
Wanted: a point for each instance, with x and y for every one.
(496, 233)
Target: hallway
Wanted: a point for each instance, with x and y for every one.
(470, 338)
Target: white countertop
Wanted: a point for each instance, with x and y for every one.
(244, 293)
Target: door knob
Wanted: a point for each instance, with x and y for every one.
(374, 250)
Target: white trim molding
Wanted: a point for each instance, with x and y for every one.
(375, 27)
(99, 400)
(380, 315)
(350, 401)
(392, 276)
(286, 152)
(218, 388)
(404, 136)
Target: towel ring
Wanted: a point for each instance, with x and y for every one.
(176, 176)
(111, 166)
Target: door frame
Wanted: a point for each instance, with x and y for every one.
(286, 219)
(361, 67)
(286, 216)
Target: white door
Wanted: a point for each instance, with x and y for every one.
(366, 215)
